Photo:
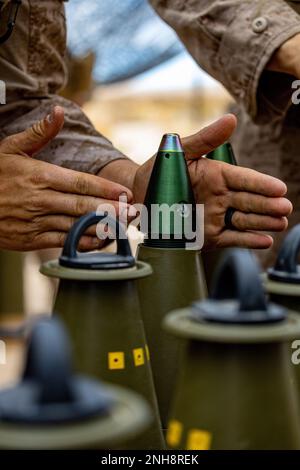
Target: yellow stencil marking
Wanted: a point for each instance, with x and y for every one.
(147, 352)
(198, 440)
(174, 433)
(116, 360)
(138, 357)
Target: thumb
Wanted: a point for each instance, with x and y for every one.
(209, 137)
(32, 140)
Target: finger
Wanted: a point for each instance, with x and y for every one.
(36, 137)
(210, 137)
(57, 240)
(243, 222)
(61, 223)
(252, 203)
(76, 206)
(251, 240)
(75, 182)
(93, 244)
(245, 179)
(87, 243)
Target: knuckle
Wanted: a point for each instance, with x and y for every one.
(33, 203)
(237, 220)
(265, 207)
(10, 142)
(37, 224)
(37, 130)
(28, 234)
(221, 204)
(71, 221)
(247, 203)
(68, 223)
(39, 177)
(61, 239)
(81, 185)
(80, 206)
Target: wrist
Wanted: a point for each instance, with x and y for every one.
(120, 171)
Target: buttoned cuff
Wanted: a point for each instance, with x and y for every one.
(246, 48)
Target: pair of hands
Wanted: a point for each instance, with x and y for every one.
(39, 202)
(258, 199)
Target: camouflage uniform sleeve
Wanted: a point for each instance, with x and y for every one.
(233, 41)
(78, 146)
(32, 66)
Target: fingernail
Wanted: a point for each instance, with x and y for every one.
(50, 118)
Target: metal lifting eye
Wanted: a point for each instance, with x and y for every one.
(12, 17)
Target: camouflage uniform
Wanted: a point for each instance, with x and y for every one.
(32, 64)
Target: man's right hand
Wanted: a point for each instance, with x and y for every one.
(39, 202)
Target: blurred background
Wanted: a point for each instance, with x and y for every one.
(133, 77)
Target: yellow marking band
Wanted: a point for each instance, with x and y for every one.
(116, 360)
(198, 440)
(138, 357)
(147, 352)
(174, 433)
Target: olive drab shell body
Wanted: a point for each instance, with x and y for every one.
(59, 410)
(283, 294)
(128, 418)
(177, 280)
(236, 387)
(177, 271)
(234, 394)
(282, 283)
(101, 310)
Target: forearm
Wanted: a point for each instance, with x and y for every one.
(233, 41)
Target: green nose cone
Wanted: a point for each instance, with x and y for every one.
(224, 153)
(169, 199)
